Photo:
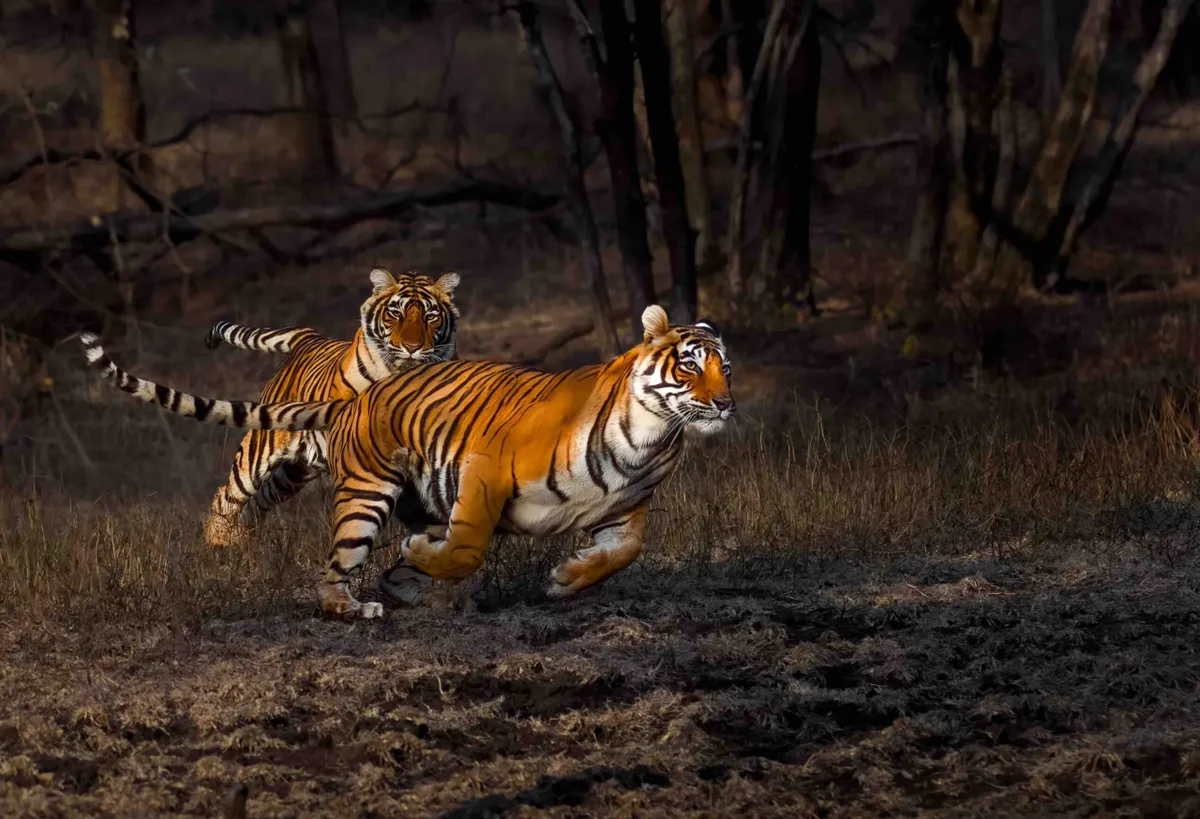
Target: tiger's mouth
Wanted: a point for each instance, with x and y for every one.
(709, 424)
(401, 354)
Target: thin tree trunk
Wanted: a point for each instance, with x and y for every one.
(122, 112)
(306, 90)
(973, 77)
(618, 130)
(791, 278)
(1051, 57)
(924, 260)
(735, 81)
(1042, 199)
(1124, 126)
(333, 63)
(741, 175)
(678, 23)
(656, 75)
(1006, 135)
(581, 210)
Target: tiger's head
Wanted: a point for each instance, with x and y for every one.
(411, 318)
(682, 374)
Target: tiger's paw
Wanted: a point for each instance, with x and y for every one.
(337, 600)
(562, 583)
(369, 611)
(450, 597)
(404, 583)
(223, 532)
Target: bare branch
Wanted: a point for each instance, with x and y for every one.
(857, 146)
(97, 235)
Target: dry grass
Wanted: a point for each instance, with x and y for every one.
(833, 618)
(892, 588)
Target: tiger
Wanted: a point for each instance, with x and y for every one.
(406, 321)
(494, 447)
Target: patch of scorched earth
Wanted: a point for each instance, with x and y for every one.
(962, 689)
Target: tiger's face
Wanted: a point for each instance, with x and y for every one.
(683, 373)
(411, 318)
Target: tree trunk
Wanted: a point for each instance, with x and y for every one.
(1042, 199)
(787, 257)
(678, 22)
(1051, 58)
(122, 112)
(973, 76)
(924, 284)
(618, 130)
(333, 63)
(741, 174)
(1094, 197)
(306, 90)
(656, 75)
(581, 210)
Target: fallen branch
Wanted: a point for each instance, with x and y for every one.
(51, 156)
(99, 233)
(876, 144)
(557, 341)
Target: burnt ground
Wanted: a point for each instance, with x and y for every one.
(837, 688)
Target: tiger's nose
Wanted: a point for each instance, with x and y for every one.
(412, 346)
(724, 404)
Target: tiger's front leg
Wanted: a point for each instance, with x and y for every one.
(359, 514)
(614, 546)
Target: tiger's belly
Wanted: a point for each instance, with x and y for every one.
(538, 511)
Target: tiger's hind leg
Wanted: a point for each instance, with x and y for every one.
(257, 457)
(288, 478)
(614, 546)
(359, 514)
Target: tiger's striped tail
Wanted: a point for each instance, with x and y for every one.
(243, 414)
(258, 339)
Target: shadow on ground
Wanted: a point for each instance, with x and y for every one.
(972, 686)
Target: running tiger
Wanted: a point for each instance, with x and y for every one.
(491, 446)
(406, 321)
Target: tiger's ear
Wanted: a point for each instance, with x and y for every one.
(447, 282)
(655, 323)
(709, 327)
(381, 280)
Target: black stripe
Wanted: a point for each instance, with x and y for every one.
(551, 479)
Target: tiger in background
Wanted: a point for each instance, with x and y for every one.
(407, 320)
(494, 447)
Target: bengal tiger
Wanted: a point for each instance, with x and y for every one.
(492, 446)
(406, 321)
